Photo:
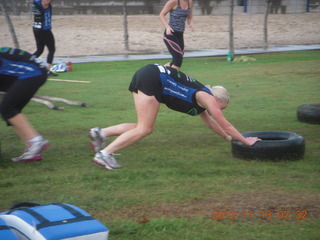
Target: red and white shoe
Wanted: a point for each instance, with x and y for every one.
(33, 152)
(97, 142)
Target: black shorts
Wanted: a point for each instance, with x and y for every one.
(18, 93)
(148, 81)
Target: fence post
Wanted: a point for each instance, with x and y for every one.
(125, 24)
(11, 27)
(265, 25)
(231, 43)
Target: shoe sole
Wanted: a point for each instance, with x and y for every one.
(93, 147)
(44, 147)
(35, 159)
(102, 164)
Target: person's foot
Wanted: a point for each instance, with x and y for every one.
(97, 140)
(33, 159)
(33, 152)
(108, 161)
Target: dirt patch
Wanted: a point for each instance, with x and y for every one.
(284, 206)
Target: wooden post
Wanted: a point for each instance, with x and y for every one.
(125, 25)
(10, 25)
(231, 43)
(265, 26)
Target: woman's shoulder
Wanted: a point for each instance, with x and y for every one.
(172, 3)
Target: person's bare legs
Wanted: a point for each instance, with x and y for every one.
(147, 108)
(176, 67)
(172, 65)
(23, 128)
(34, 142)
(48, 66)
(117, 130)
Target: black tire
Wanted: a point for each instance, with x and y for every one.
(309, 113)
(274, 146)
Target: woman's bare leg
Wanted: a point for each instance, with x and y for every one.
(23, 128)
(117, 130)
(147, 108)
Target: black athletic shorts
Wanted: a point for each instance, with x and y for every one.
(148, 81)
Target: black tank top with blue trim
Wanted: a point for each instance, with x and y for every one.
(20, 64)
(42, 17)
(179, 91)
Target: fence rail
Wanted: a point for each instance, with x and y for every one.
(103, 34)
(201, 7)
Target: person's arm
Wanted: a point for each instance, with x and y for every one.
(46, 3)
(166, 9)
(213, 125)
(209, 103)
(190, 18)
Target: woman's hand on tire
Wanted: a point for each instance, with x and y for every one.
(250, 141)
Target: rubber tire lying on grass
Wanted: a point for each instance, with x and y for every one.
(274, 146)
(309, 113)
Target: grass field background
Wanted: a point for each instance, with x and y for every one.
(175, 181)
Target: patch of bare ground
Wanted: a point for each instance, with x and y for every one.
(248, 205)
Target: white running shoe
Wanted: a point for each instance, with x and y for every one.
(108, 161)
(33, 152)
(97, 142)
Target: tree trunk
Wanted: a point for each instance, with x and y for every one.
(125, 25)
(10, 25)
(231, 43)
(265, 26)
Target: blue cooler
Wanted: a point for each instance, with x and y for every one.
(57, 221)
(6, 232)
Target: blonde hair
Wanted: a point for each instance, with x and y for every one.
(220, 92)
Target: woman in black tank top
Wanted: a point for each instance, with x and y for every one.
(152, 85)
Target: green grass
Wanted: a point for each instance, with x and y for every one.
(174, 179)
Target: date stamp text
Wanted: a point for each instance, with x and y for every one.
(265, 214)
